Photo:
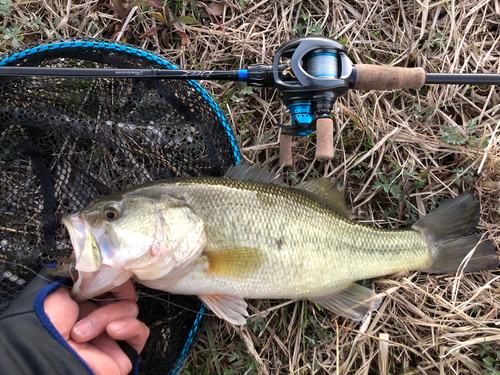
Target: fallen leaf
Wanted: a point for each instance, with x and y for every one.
(187, 20)
(150, 32)
(184, 38)
(490, 184)
(138, 3)
(424, 174)
(216, 8)
(165, 36)
(159, 17)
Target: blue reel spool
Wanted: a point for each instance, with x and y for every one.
(323, 65)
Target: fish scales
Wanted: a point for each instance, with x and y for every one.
(305, 248)
(247, 236)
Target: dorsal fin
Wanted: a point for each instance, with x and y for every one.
(254, 173)
(328, 193)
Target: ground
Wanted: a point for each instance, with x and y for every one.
(400, 154)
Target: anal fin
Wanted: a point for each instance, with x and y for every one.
(230, 308)
(353, 302)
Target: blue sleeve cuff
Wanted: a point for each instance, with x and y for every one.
(38, 307)
(47, 324)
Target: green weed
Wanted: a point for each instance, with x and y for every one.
(389, 185)
(167, 28)
(241, 95)
(266, 137)
(243, 362)
(422, 113)
(437, 42)
(12, 35)
(397, 185)
(293, 178)
(491, 359)
(462, 175)
(259, 325)
(36, 23)
(451, 135)
(5, 8)
(357, 173)
(308, 27)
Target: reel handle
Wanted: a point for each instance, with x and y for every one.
(286, 150)
(324, 138)
(376, 77)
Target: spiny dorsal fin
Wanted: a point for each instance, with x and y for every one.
(254, 173)
(329, 194)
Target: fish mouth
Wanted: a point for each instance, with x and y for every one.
(92, 284)
(76, 228)
(94, 276)
(87, 253)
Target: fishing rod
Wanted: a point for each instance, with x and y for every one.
(243, 75)
(310, 73)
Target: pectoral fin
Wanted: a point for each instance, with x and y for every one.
(233, 263)
(353, 302)
(230, 308)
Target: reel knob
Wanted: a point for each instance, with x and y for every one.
(286, 150)
(324, 140)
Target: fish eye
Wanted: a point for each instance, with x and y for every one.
(111, 213)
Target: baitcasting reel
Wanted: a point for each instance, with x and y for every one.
(310, 73)
(310, 83)
(316, 75)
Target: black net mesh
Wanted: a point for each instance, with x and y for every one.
(65, 141)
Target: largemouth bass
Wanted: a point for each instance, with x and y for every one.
(246, 235)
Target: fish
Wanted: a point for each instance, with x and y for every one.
(250, 235)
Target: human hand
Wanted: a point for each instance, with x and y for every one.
(92, 329)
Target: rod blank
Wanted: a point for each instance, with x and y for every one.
(462, 79)
(227, 75)
(23, 71)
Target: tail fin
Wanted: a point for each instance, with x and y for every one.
(450, 229)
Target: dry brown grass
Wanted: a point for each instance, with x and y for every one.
(427, 324)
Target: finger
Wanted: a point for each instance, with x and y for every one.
(86, 307)
(97, 359)
(62, 311)
(110, 347)
(95, 323)
(125, 291)
(131, 330)
(104, 299)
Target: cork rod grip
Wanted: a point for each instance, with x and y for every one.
(376, 77)
(324, 143)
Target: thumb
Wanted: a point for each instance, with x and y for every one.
(62, 311)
